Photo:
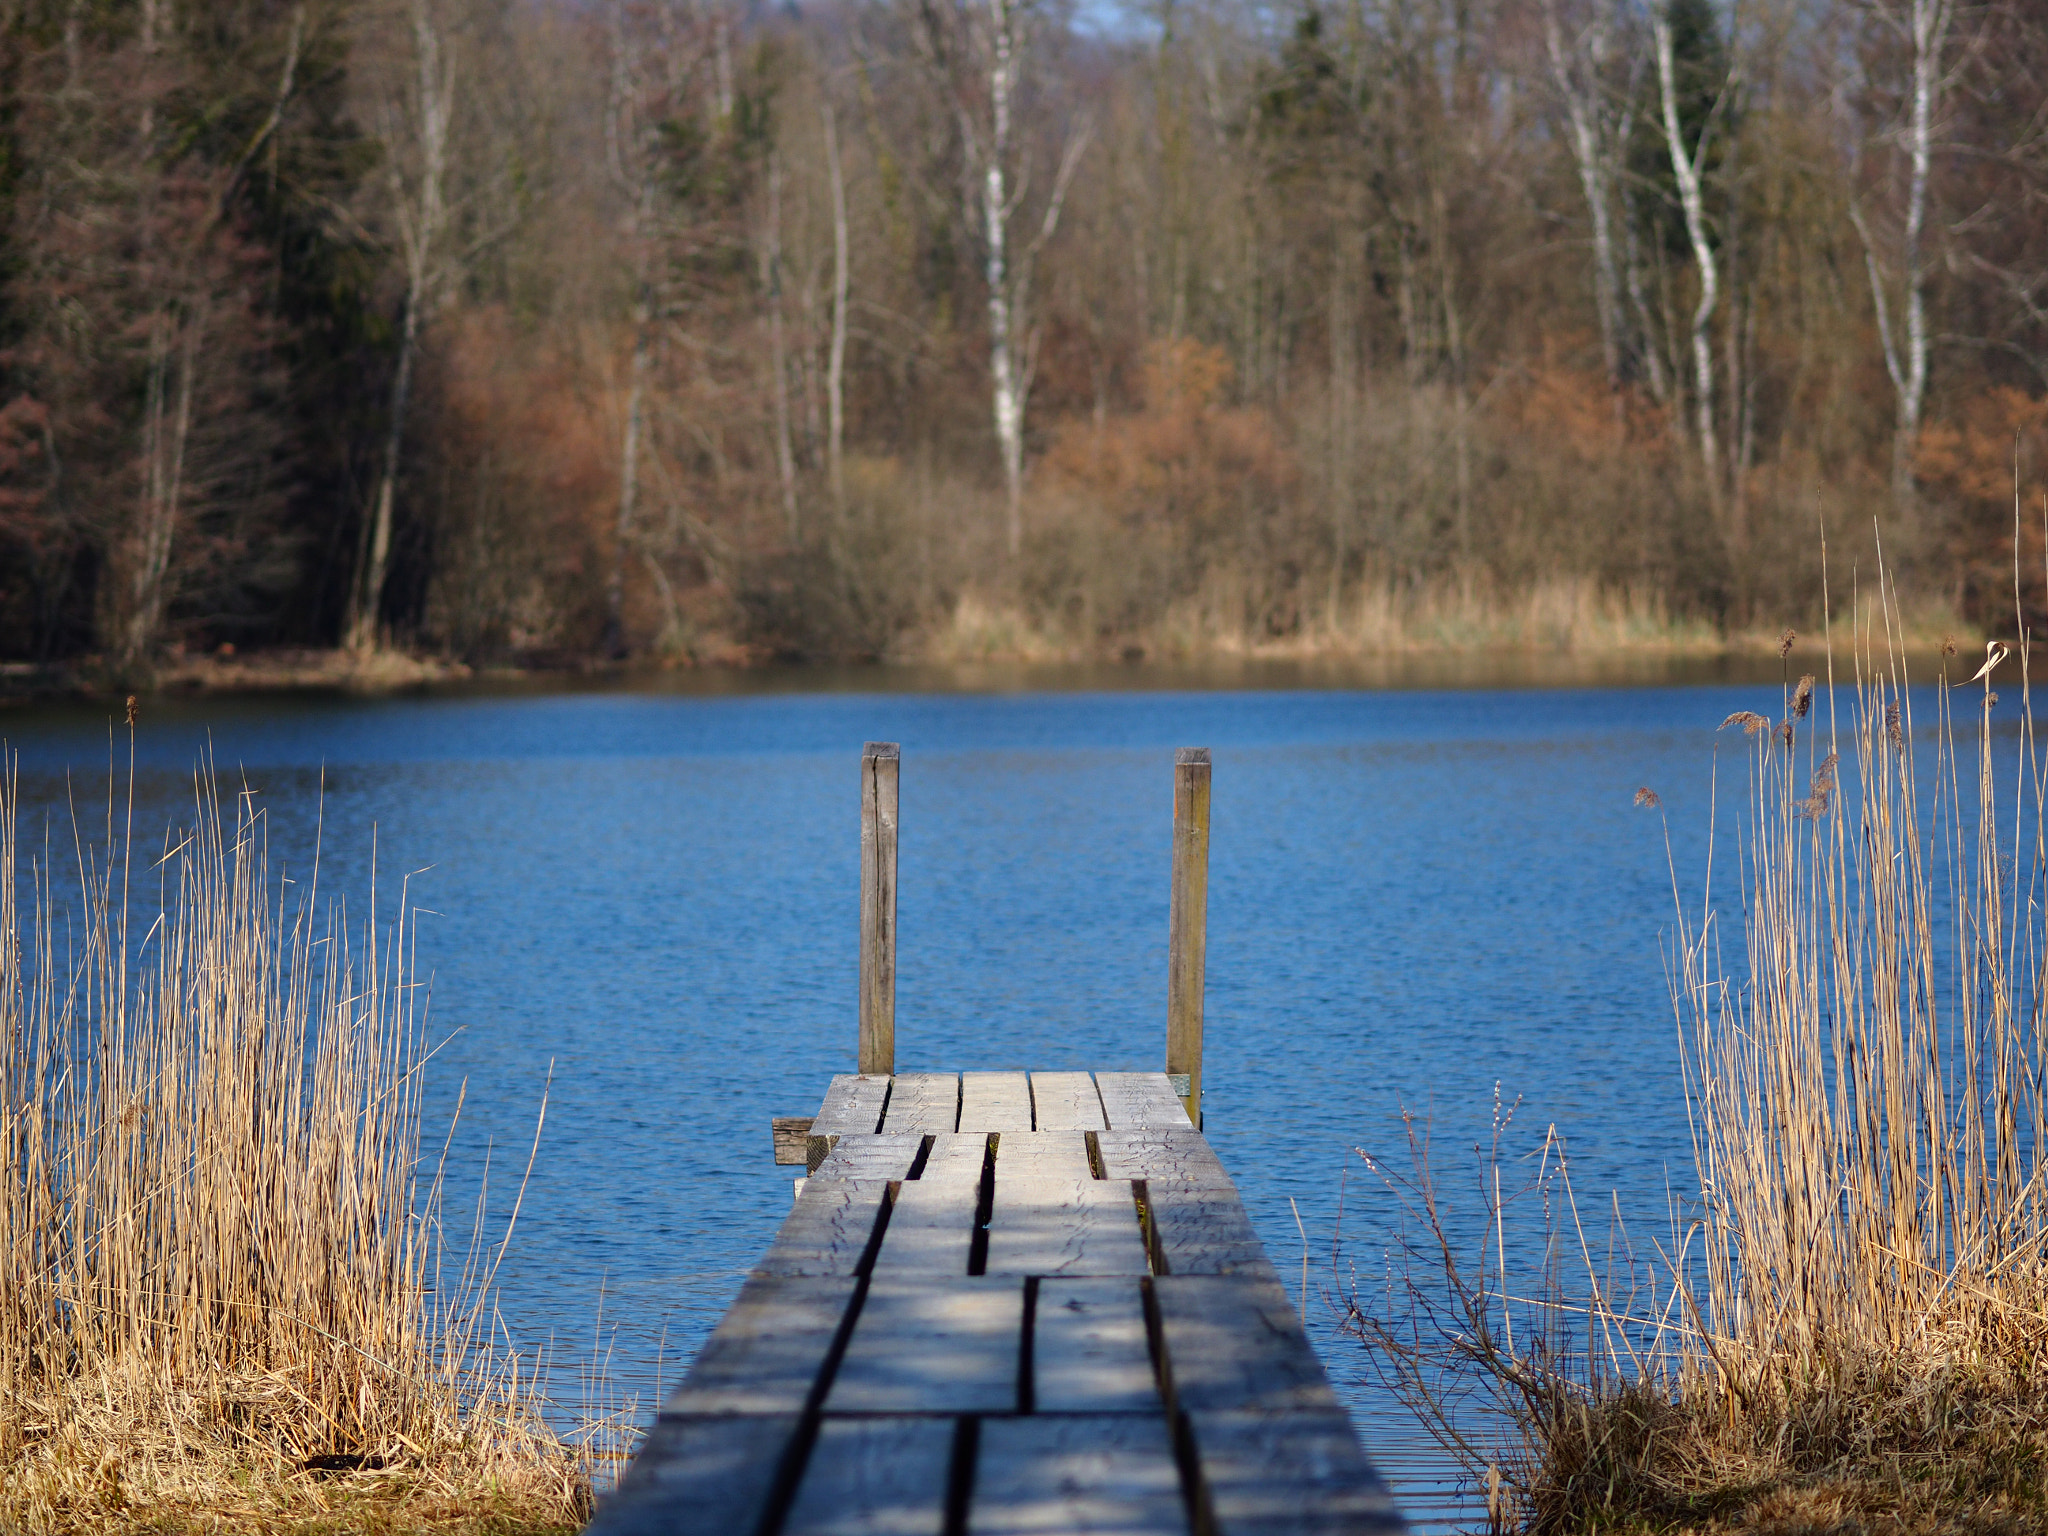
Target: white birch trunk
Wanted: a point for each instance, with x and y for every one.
(835, 367)
(1593, 154)
(1685, 166)
(1925, 26)
(1007, 400)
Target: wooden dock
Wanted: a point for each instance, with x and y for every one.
(1005, 1304)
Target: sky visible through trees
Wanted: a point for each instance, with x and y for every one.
(541, 330)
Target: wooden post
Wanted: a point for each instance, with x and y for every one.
(1187, 931)
(880, 762)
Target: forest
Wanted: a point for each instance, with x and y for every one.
(549, 332)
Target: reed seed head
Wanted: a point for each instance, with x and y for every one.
(1750, 721)
(131, 711)
(1892, 728)
(1648, 796)
(1785, 643)
(1785, 734)
(1802, 697)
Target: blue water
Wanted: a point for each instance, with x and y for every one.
(644, 906)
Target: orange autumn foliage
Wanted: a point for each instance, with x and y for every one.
(1993, 451)
(1184, 460)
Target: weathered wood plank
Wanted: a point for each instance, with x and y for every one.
(827, 1231)
(1200, 1230)
(697, 1474)
(1065, 1101)
(852, 1104)
(1135, 1101)
(792, 1137)
(874, 1477)
(930, 1231)
(933, 1346)
(1043, 1155)
(1236, 1342)
(880, 780)
(765, 1354)
(923, 1101)
(888, 1155)
(1088, 1349)
(1290, 1474)
(1188, 922)
(1183, 1156)
(995, 1101)
(1064, 1227)
(956, 1157)
(1085, 1475)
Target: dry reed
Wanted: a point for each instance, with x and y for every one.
(1848, 1325)
(222, 1286)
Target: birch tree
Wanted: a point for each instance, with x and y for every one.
(1922, 28)
(835, 364)
(1576, 70)
(984, 86)
(1688, 162)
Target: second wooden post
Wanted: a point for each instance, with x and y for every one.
(1187, 930)
(879, 765)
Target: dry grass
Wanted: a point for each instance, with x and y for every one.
(224, 1295)
(1847, 1327)
(1459, 614)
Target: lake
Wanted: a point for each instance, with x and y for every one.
(644, 907)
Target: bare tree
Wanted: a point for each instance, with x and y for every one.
(1687, 166)
(1577, 73)
(416, 124)
(983, 88)
(1922, 26)
(186, 264)
(835, 366)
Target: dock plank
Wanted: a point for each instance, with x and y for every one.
(1064, 1227)
(1290, 1474)
(720, 1470)
(1085, 1475)
(874, 1477)
(1065, 1101)
(853, 1104)
(1088, 1348)
(870, 1156)
(1236, 1342)
(933, 1346)
(995, 1101)
(828, 1229)
(765, 1354)
(1200, 1230)
(1183, 1156)
(928, 1102)
(1135, 1101)
(1043, 1155)
(956, 1156)
(931, 1229)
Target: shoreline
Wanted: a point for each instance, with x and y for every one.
(1738, 659)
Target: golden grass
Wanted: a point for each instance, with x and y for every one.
(225, 1299)
(1456, 614)
(1847, 1327)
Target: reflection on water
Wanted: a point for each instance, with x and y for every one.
(647, 900)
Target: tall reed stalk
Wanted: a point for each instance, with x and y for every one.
(218, 1247)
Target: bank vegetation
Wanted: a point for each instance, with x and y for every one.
(528, 332)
